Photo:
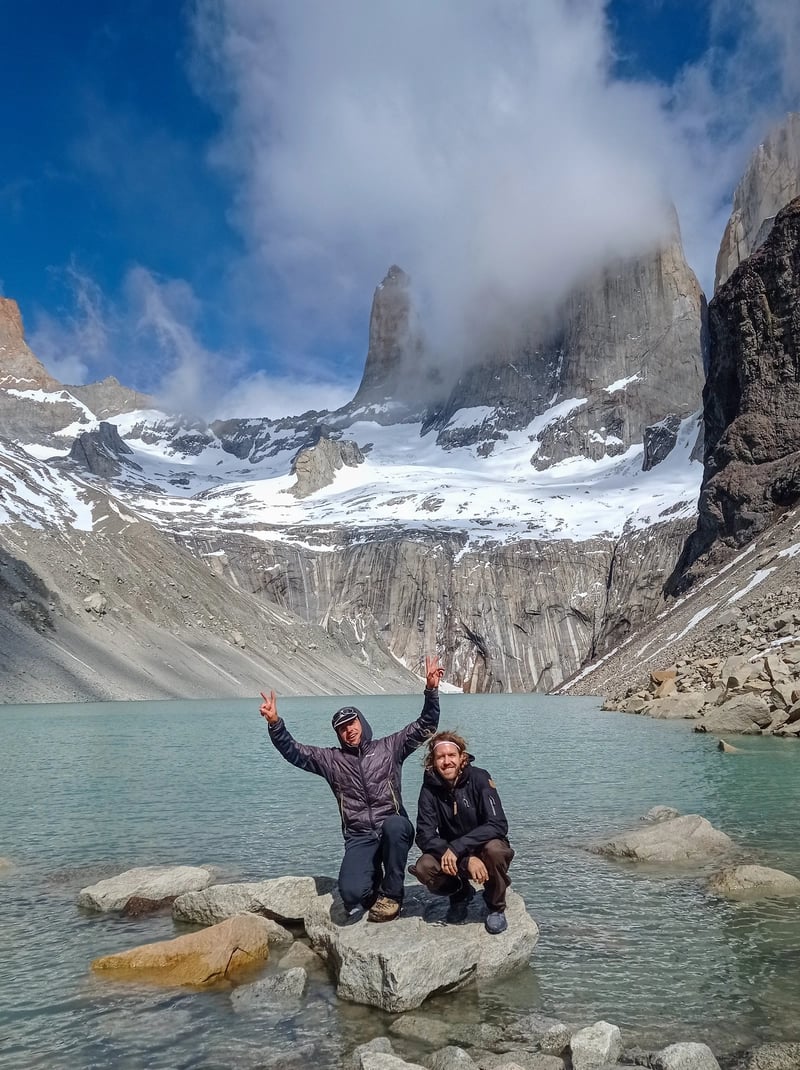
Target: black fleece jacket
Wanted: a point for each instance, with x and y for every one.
(463, 816)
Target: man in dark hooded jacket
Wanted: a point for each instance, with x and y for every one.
(365, 776)
(462, 831)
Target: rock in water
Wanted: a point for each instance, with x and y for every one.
(753, 882)
(397, 965)
(284, 899)
(678, 840)
(220, 953)
(686, 1056)
(143, 882)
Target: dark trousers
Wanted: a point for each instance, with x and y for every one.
(375, 863)
(496, 855)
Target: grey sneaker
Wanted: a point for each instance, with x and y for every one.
(496, 922)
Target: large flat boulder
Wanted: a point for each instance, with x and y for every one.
(284, 899)
(685, 839)
(219, 953)
(753, 882)
(397, 965)
(155, 883)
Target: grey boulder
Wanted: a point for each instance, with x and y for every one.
(284, 899)
(398, 964)
(753, 882)
(685, 839)
(596, 1045)
(686, 1056)
(144, 882)
(272, 993)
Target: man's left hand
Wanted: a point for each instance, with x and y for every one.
(433, 672)
(477, 870)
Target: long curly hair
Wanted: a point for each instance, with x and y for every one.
(442, 737)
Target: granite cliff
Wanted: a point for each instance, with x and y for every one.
(522, 523)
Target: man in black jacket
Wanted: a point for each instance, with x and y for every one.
(365, 776)
(462, 832)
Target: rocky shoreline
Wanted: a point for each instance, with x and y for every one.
(300, 924)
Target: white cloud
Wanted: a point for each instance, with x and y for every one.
(71, 345)
(153, 330)
(486, 147)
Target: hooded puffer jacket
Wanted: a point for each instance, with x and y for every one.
(364, 779)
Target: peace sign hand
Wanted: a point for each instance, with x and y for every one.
(269, 707)
(433, 672)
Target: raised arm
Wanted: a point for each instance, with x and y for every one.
(409, 738)
(311, 759)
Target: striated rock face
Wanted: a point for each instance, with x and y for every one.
(751, 401)
(771, 180)
(522, 618)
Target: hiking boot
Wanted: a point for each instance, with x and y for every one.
(496, 922)
(384, 909)
(459, 906)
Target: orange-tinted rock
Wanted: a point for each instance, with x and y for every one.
(218, 953)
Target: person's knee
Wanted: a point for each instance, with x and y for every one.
(497, 853)
(355, 882)
(398, 829)
(427, 868)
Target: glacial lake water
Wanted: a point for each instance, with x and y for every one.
(90, 790)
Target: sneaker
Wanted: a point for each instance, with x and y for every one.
(459, 906)
(384, 909)
(496, 922)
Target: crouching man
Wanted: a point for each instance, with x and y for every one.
(462, 832)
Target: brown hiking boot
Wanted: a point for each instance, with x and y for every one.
(384, 909)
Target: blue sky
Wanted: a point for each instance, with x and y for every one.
(201, 198)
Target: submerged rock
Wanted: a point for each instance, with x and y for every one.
(274, 993)
(144, 882)
(753, 882)
(396, 966)
(218, 953)
(678, 840)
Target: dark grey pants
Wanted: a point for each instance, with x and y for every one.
(496, 855)
(374, 863)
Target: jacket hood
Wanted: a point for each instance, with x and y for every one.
(366, 735)
(432, 779)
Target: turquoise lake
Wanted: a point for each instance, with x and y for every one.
(90, 790)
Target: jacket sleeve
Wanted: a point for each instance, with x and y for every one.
(428, 839)
(311, 759)
(493, 824)
(407, 740)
